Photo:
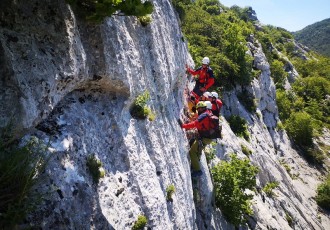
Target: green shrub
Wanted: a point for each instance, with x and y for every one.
(20, 173)
(247, 100)
(145, 20)
(279, 126)
(268, 189)
(94, 166)
(140, 223)
(299, 128)
(246, 150)
(169, 192)
(278, 73)
(239, 126)
(139, 108)
(231, 180)
(323, 194)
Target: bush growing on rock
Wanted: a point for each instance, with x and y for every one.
(140, 223)
(232, 179)
(139, 108)
(95, 168)
(323, 194)
(20, 171)
(239, 126)
(169, 192)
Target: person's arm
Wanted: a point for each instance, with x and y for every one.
(190, 125)
(210, 82)
(219, 102)
(193, 72)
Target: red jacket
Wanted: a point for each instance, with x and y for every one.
(216, 106)
(202, 123)
(205, 76)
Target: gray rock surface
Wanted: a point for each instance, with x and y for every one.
(72, 83)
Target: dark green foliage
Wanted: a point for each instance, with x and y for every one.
(222, 37)
(323, 194)
(145, 20)
(239, 126)
(97, 10)
(316, 36)
(231, 180)
(278, 73)
(284, 104)
(299, 128)
(140, 223)
(247, 100)
(20, 172)
(210, 6)
(94, 166)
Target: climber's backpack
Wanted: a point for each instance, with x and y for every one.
(214, 130)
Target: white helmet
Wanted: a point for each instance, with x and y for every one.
(206, 61)
(207, 94)
(215, 94)
(208, 104)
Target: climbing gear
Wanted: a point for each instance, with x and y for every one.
(201, 104)
(212, 130)
(206, 61)
(215, 94)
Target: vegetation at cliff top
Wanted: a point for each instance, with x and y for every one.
(97, 10)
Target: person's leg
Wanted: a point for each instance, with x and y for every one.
(194, 156)
(197, 90)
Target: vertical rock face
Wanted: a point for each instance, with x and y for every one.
(72, 84)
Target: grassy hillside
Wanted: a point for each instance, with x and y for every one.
(316, 37)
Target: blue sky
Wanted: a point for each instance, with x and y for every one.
(292, 15)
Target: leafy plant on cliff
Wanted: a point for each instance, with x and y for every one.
(140, 223)
(97, 10)
(20, 172)
(323, 194)
(239, 126)
(139, 108)
(232, 179)
(95, 168)
(169, 192)
(269, 187)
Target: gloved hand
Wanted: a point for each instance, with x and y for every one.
(180, 122)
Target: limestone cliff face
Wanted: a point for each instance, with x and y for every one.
(72, 83)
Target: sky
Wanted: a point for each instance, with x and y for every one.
(292, 15)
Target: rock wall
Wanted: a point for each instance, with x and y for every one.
(72, 83)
